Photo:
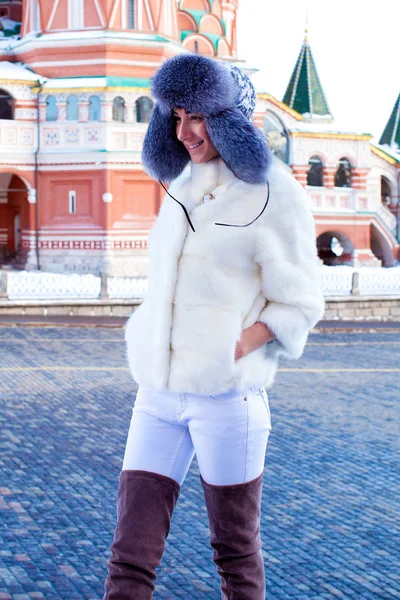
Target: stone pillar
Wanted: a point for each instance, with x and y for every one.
(300, 173)
(106, 111)
(3, 286)
(62, 107)
(83, 107)
(329, 177)
(359, 178)
(42, 110)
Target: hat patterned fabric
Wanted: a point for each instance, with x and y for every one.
(247, 95)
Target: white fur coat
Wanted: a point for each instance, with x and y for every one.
(204, 287)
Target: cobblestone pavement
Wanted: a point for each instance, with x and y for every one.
(328, 518)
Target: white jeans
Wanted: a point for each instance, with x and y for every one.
(228, 433)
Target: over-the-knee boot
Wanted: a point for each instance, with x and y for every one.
(234, 518)
(144, 508)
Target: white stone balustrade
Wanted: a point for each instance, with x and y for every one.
(17, 136)
(372, 281)
(91, 135)
(388, 218)
(124, 287)
(46, 286)
(336, 281)
(379, 282)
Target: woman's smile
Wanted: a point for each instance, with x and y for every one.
(191, 131)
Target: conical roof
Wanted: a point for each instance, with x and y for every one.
(391, 134)
(304, 93)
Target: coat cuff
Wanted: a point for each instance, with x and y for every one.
(289, 325)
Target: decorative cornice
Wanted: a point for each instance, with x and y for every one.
(281, 105)
(386, 157)
(362, 137)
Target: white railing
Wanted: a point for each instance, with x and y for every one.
(337, 281)
(367, 281)
(332, 199)
(51, 286)
(377, 282)
(126, 287)
(17, 136)
(23, 285)
(59, 136)
(388, 218)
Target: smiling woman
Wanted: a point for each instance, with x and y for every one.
(225, 298)
(192, 132)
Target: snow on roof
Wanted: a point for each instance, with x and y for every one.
(76, 82)
(17, 72)
(322, 126)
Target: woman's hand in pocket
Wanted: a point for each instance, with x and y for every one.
(252, 338)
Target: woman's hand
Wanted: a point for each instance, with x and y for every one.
(252, 338)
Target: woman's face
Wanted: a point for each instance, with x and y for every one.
(191, 131)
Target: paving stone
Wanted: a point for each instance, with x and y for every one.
(329, 520)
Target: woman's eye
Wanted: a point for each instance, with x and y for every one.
(195, 118)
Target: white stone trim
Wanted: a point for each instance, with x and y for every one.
(100, 13)
(95, 61)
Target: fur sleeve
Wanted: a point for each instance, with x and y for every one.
(290, 271)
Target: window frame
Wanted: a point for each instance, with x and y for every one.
(72, 202)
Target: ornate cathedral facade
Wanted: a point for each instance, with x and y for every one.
(74, 107)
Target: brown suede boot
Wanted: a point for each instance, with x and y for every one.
(234, 517)
(144, 509)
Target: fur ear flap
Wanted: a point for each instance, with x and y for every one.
(241, 145)
(163, 156)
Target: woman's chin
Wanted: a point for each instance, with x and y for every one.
(203, 159)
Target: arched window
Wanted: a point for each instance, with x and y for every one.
(130, 15)
(343, 173)
(72, 108)
(278, 137)
(143, 106)
(386, 192)
(94, 108)
(6, 105)
(51, 109)
(118, 109)
(315, 172)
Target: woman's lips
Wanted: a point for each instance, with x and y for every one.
(196, 146)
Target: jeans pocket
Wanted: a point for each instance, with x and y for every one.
(232, 397)
(264, 397)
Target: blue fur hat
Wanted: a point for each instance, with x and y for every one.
(226, 98)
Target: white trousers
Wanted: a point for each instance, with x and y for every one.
(228, 433)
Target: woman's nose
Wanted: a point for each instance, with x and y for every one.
(183, 131)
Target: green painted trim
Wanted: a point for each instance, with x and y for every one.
(391, 133)
(185, 33)
(113, 81)
(213, 37)
(196, 14)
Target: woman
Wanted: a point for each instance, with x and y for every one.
(232, 284)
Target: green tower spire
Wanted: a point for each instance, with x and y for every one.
(391, 134)
(304, 93)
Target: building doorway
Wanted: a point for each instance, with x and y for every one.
(335, 248)
(15, 220)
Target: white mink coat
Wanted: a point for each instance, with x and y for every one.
(205, 287)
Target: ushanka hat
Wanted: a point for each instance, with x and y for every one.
(225, 96)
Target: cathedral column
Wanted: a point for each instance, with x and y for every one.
(300, 173)
(61, 102)
(228, 14)
(83, 107)
(329, 177)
